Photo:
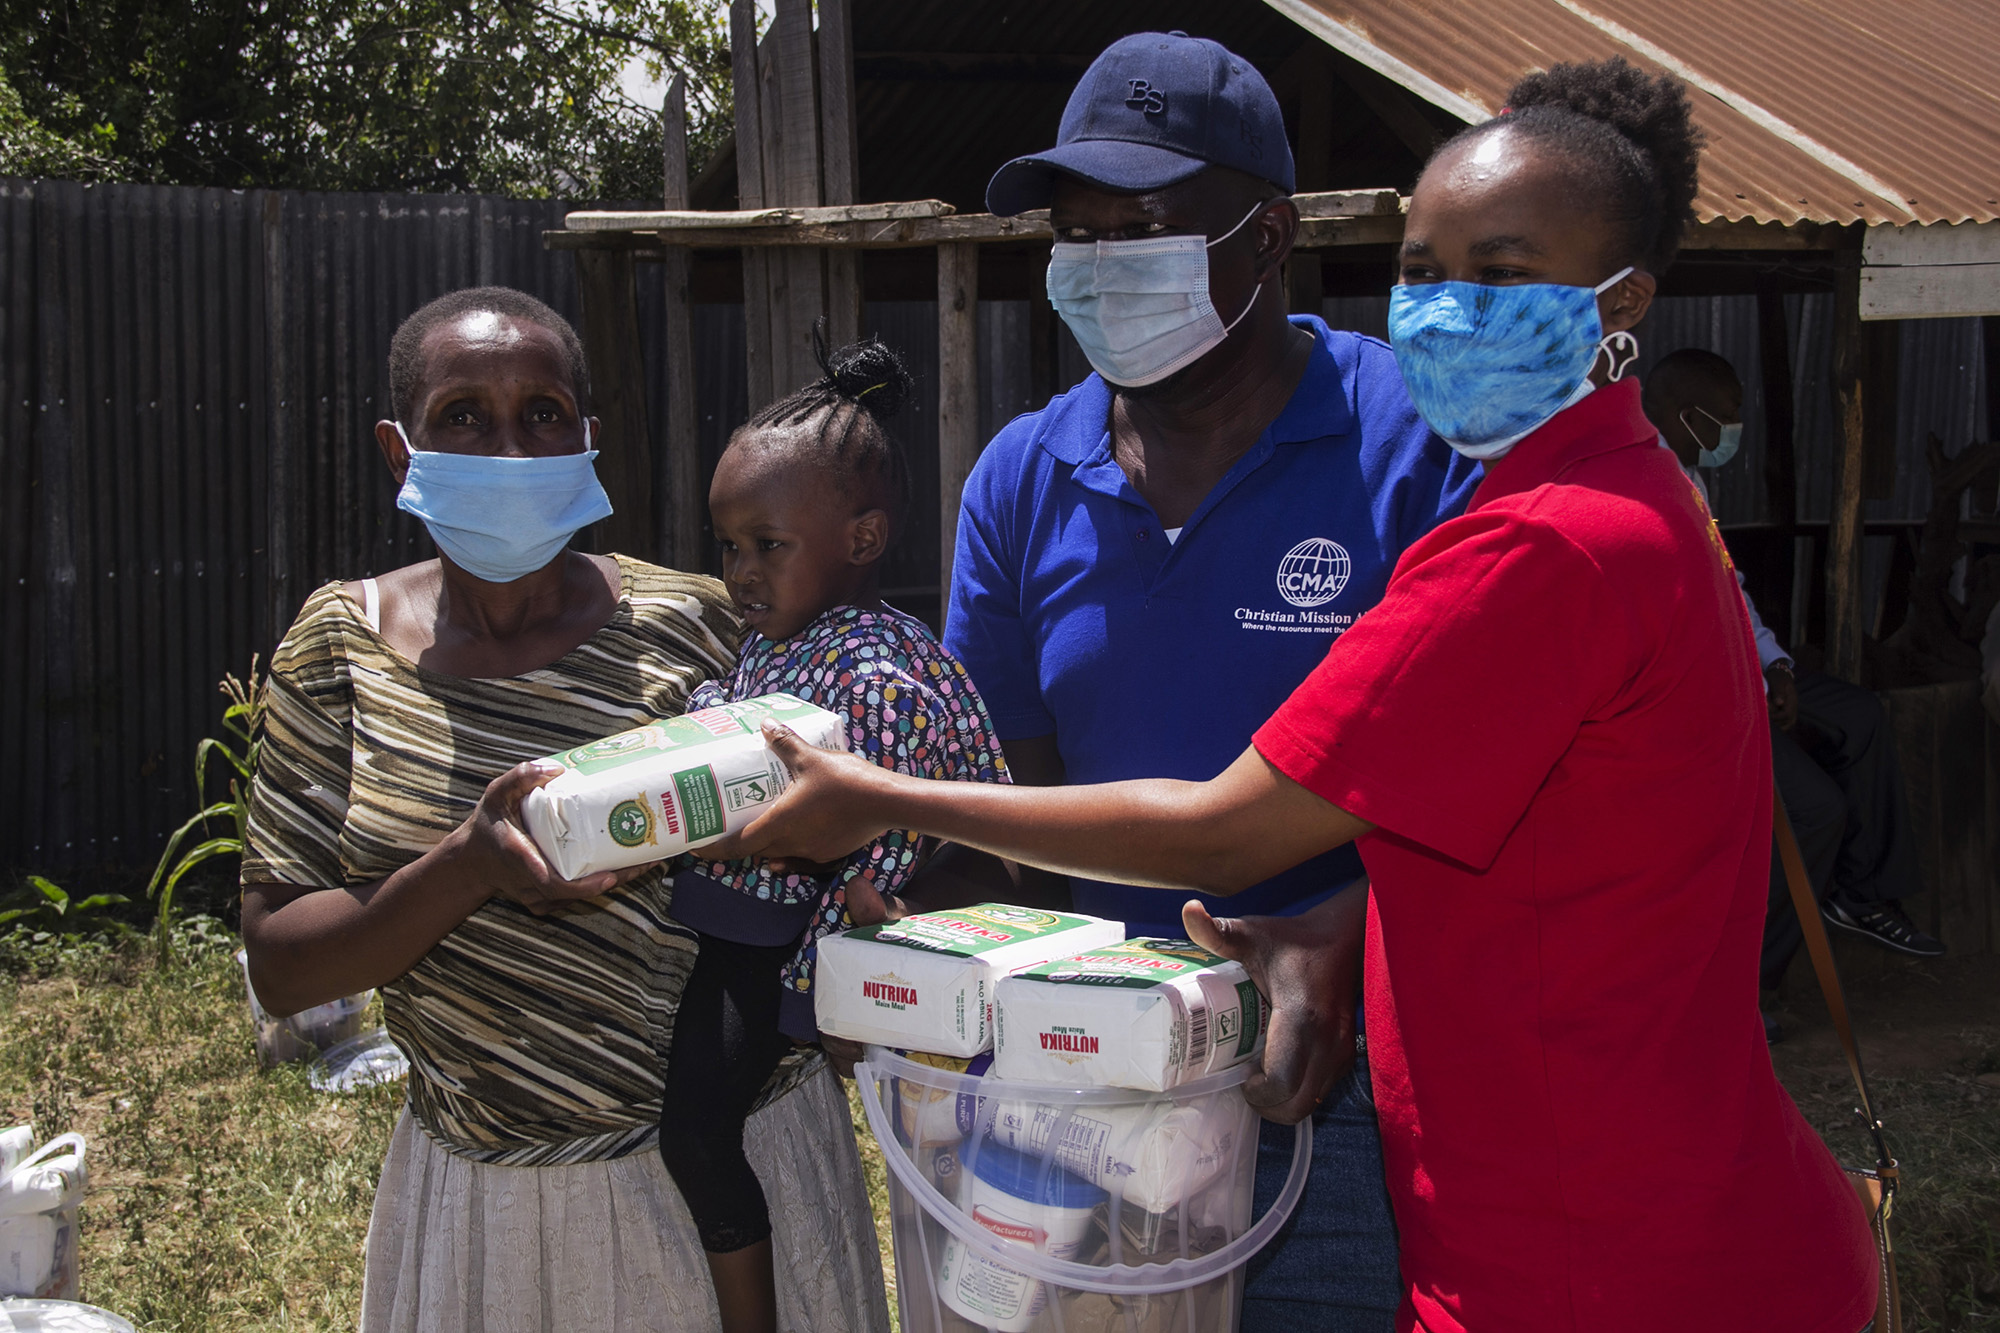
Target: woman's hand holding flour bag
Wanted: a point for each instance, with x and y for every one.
(493, 849)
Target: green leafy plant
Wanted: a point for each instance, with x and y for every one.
(50, 905)
(238, 752)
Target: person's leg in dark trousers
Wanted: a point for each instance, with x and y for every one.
(1818, 810)
(726, 1043)
(1332, 1268)
(1846, 732)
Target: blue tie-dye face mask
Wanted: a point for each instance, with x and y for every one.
(1486, 366)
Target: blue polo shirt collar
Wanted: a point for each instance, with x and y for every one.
(1079, 434)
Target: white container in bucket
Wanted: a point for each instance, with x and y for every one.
(307, 1033)
(1171, 1269)
(39, 1233)
(1014, 1197)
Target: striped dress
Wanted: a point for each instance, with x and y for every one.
(533, 1041)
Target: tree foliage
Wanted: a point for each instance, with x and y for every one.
(517, 97)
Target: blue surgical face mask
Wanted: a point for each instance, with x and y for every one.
(501, 518)
(1140, 309)
(1486, 366)
(1728, 439)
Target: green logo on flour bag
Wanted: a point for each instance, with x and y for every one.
(1251, 1006)
(1137, 964)
(630, 823)
(701, 802)
(742, 793)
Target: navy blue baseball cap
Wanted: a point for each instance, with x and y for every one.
(1153, 110)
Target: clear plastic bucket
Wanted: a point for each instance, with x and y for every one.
(307, 1033)
(1007, 1245)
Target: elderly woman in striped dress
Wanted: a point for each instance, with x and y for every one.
(385, 850)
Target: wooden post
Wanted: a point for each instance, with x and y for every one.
(840, 178)
(1781, 484)
(791, 170)
(958, 394)
(683, 501)
(1843, 555)
(750, 193)
(611, 345)
(1305, 281)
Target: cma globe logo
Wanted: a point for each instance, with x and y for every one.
(1313, 572)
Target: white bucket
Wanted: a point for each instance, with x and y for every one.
(307, 1033)
(36, 1316)
(39, 1233)
(1173, 1265)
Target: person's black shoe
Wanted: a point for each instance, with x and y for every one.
(1883, 924)
(1773, 1034)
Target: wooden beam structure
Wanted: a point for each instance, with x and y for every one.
(1328, 221)
(958, 393)
(1843, 554)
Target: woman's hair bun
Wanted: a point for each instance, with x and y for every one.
(1651, 112)
(867, 373)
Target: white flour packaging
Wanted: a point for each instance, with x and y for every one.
(1146, 1013)
(925, 983)
(669, 786)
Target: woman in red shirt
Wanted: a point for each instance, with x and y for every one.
(1580, 1122)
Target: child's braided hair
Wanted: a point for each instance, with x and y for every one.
(863, 386)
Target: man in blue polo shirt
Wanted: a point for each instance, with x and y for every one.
(1148, 566)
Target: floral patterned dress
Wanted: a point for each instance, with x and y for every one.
(909, 706)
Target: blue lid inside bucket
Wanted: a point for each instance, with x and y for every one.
(1024, 1176)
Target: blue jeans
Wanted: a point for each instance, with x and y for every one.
(1332, 1269)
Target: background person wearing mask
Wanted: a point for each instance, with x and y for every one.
(1150, 564)
(1831, 747)
(1580, 1121)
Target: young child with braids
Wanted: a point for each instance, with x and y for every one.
(806, 500)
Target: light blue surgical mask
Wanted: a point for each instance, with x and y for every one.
(1487, 366)
(1728, 439)
(1140, 309)
(501, 518)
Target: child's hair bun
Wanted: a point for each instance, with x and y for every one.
(867, 373)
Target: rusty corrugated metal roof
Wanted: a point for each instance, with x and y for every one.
(1879, 111)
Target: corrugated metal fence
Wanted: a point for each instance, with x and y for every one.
(190, 380)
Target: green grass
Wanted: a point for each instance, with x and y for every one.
(221, 1197)
(1944, 1129)
(227, 1198)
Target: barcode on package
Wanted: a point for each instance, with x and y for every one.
(1197, 1036)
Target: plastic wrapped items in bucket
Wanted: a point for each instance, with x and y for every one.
(1069, 1210)
(307, 1033)
(39, 1201)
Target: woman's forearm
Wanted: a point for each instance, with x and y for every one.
(1217, 837)
(308, 946)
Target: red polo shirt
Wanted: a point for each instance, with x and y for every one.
(1553, 721)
